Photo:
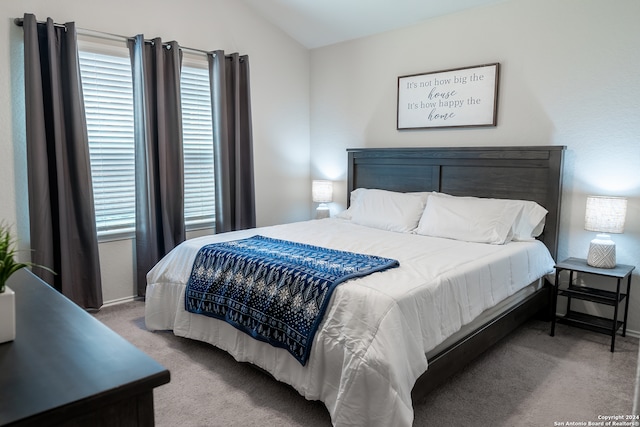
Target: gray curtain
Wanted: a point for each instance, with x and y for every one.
(233, 141)
(61, 210)
(158, 152)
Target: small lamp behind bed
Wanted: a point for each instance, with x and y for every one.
(604, 215)
(322, 192)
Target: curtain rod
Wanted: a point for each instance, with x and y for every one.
(107, 36)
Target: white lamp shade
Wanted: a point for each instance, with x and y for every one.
(605, 214)
(322, 191)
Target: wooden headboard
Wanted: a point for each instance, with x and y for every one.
(522, 173)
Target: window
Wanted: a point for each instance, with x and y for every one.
(108, 97)
(197, 135)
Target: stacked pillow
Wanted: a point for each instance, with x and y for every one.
(471, 219)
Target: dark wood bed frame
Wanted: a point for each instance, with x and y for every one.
(523, 173)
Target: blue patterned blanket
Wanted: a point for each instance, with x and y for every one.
(274, 290)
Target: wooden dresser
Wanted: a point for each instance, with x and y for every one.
(66, 368)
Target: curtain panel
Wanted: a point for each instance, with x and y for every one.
(233, 141)
(61, 209)
(158, 151)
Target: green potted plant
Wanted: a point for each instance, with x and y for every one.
(8, 266)
(8, 263)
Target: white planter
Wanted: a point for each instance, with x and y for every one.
(7, 315)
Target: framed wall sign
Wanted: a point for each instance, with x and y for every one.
(450, 98)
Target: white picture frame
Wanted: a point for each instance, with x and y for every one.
(459, 97)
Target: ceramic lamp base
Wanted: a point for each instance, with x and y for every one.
(322, 212)
(602, 254)
(7, 315)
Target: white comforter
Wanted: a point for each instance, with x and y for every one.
(370, 347)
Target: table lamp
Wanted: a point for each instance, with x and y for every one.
(604, 215)
(322, 192)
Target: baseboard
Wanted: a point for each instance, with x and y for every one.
(634, 334)
(121, 301)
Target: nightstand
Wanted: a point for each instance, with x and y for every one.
(612, 298)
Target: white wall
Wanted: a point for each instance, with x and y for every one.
(569, 76)
(279, 91)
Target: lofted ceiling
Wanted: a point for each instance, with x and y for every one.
(317, 23)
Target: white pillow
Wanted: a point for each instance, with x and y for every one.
(530, 222)
(528, 225)
(353, 199)
(470, 219)
(387, 210)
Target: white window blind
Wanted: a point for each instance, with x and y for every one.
(108, 99)
(197, 132)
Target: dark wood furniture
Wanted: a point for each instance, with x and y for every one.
(524, 173)
(65, 368)
(609, 326)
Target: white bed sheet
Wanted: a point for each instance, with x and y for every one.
(370, 347)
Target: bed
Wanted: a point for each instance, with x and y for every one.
(388, 339)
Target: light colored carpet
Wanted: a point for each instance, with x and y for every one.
(529, 379)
